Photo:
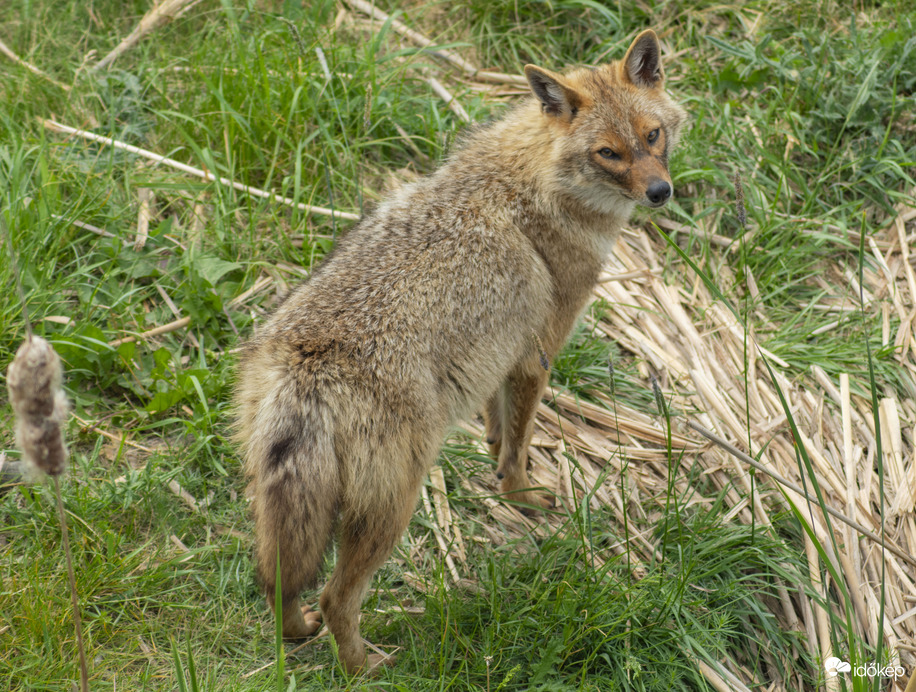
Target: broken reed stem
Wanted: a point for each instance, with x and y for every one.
(77, 620)
(198, 172)
(733, 684)
(85, 226)
(163, 12)
(446, 96)
(415, 37)
(114, 438)
(173, 326)
(411, 35)
(30, 67)
(734, 451)
(911, 685)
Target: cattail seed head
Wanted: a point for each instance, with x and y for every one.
(34, 383)
(739, 201)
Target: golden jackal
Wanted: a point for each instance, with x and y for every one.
(431, 307)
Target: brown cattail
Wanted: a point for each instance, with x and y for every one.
(739, 201)
(34, 382)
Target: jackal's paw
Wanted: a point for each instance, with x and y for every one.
(494, 446)
(529, 502)
(375, 662)
(371, 665)
(301, 623)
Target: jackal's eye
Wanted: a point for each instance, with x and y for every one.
(608, 153)
(652, 136)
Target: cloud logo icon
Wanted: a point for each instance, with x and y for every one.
(835, 666)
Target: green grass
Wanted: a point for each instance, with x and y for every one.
(240, 89)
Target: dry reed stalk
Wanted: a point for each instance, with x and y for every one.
(444, 512)
(30, 67)
(85, 226)
(119, 439)
(493, 77)
(160, 14)
(257, 287)
(802, 493)
(144, 197)
(414, 37)
(446, 96)
(185, 496)
(197, 172)
(440, 539)
(470, 71)
(173, 326)
(911, 685)
(714, 678)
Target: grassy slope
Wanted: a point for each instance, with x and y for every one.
(238, 91)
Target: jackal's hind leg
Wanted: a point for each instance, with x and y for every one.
(377, 509)
(365, 544)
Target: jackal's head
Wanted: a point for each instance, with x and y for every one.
(614, 128)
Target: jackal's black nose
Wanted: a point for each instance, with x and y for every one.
(658, 191)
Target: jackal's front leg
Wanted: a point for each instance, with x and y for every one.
(521, 395)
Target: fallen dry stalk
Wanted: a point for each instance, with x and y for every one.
(164, 12)
(156, 331)
(413, 36)
(737, 453)
(144, 197)
(85, 226)
(30, 67)
(449, 99)
(197, 172)
(120, 439)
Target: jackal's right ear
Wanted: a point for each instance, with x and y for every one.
(557, 97)
(643, 61)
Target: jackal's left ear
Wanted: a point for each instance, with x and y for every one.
(556, 95)
(643, 61)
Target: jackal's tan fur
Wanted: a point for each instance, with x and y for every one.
(432, 307)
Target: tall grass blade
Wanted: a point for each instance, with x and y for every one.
(278, 631)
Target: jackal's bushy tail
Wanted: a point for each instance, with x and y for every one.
(295, 486)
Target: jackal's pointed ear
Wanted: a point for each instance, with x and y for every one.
(556, 95)
(643, 62)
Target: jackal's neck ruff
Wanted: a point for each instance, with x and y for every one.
(589, 147)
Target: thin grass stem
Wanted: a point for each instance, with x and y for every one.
(77, 620)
